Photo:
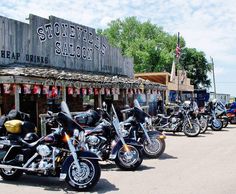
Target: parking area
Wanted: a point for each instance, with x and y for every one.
(202, 165)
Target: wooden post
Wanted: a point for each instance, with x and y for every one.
(17, 97)
(64, 93)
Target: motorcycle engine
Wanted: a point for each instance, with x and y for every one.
(93, 140)
(43, 150)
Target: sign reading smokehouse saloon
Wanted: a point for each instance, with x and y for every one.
(55, 42)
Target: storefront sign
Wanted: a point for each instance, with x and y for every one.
(59, 43)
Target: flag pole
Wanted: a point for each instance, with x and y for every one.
(177, 61)
(213, 69)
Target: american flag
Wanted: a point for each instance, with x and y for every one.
(177, 51)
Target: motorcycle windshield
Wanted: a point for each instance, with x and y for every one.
(66, 119)
(65, 109)
(139, 114)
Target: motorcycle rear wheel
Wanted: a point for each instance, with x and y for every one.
(129, 160)
(10, 174)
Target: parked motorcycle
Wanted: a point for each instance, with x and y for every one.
(197, 115)
(231, 113)
(59, 154)
(108, 141)
(178, 121)
(210, 111)
(139, 127)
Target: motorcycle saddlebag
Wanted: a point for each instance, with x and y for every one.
(13, 126)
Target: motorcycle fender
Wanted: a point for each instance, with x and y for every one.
(156, 134)
(70, 159)
(120, 145)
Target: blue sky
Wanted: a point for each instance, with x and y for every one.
(208, 26)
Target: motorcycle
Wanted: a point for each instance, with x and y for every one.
(139, 127)
(59, 154)
(177, 121)
(107, 139)
(197, 115)
(215, 123)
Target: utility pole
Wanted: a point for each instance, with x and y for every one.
(213, 65)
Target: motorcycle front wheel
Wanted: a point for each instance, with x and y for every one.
(86, 177)
(129, 158)
(155, 149)
(216, 125)
(191, 131)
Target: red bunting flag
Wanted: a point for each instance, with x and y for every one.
(45, 90)
(77, 91)
(27, 88)
(70, 91)
(96, 91)
(84, 91)
(54, 91)
(7, 88)
(36, 89)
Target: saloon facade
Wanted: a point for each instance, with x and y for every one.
(50, 60)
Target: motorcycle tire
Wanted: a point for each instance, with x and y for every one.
(225, 122)
(191, 132)
(217, 125)
(87, 178)
(204, 124)
(129, 160)
(10, 174)
(156, 149)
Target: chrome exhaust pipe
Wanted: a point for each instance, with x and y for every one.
(14, 167)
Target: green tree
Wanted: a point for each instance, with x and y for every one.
(152, 48)
(197, 67)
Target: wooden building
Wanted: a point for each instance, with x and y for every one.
(179, 85)
(50, 60)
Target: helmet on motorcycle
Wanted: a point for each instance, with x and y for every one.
(31, 137)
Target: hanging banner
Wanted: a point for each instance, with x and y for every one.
(70, 91)
(36, 89)
(27, 88)
(90, 91)
(96, 91)
(7, 88)
(54, 92)
(108, 91)
(77, 91)
(84, 91)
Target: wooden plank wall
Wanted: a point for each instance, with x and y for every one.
(55, 42)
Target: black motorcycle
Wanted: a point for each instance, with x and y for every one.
(107, 140)
(212, 113)
(59, 154)
(179, 120)
(139, 127)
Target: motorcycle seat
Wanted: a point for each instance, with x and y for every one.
(30, 145)
(163, 116)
